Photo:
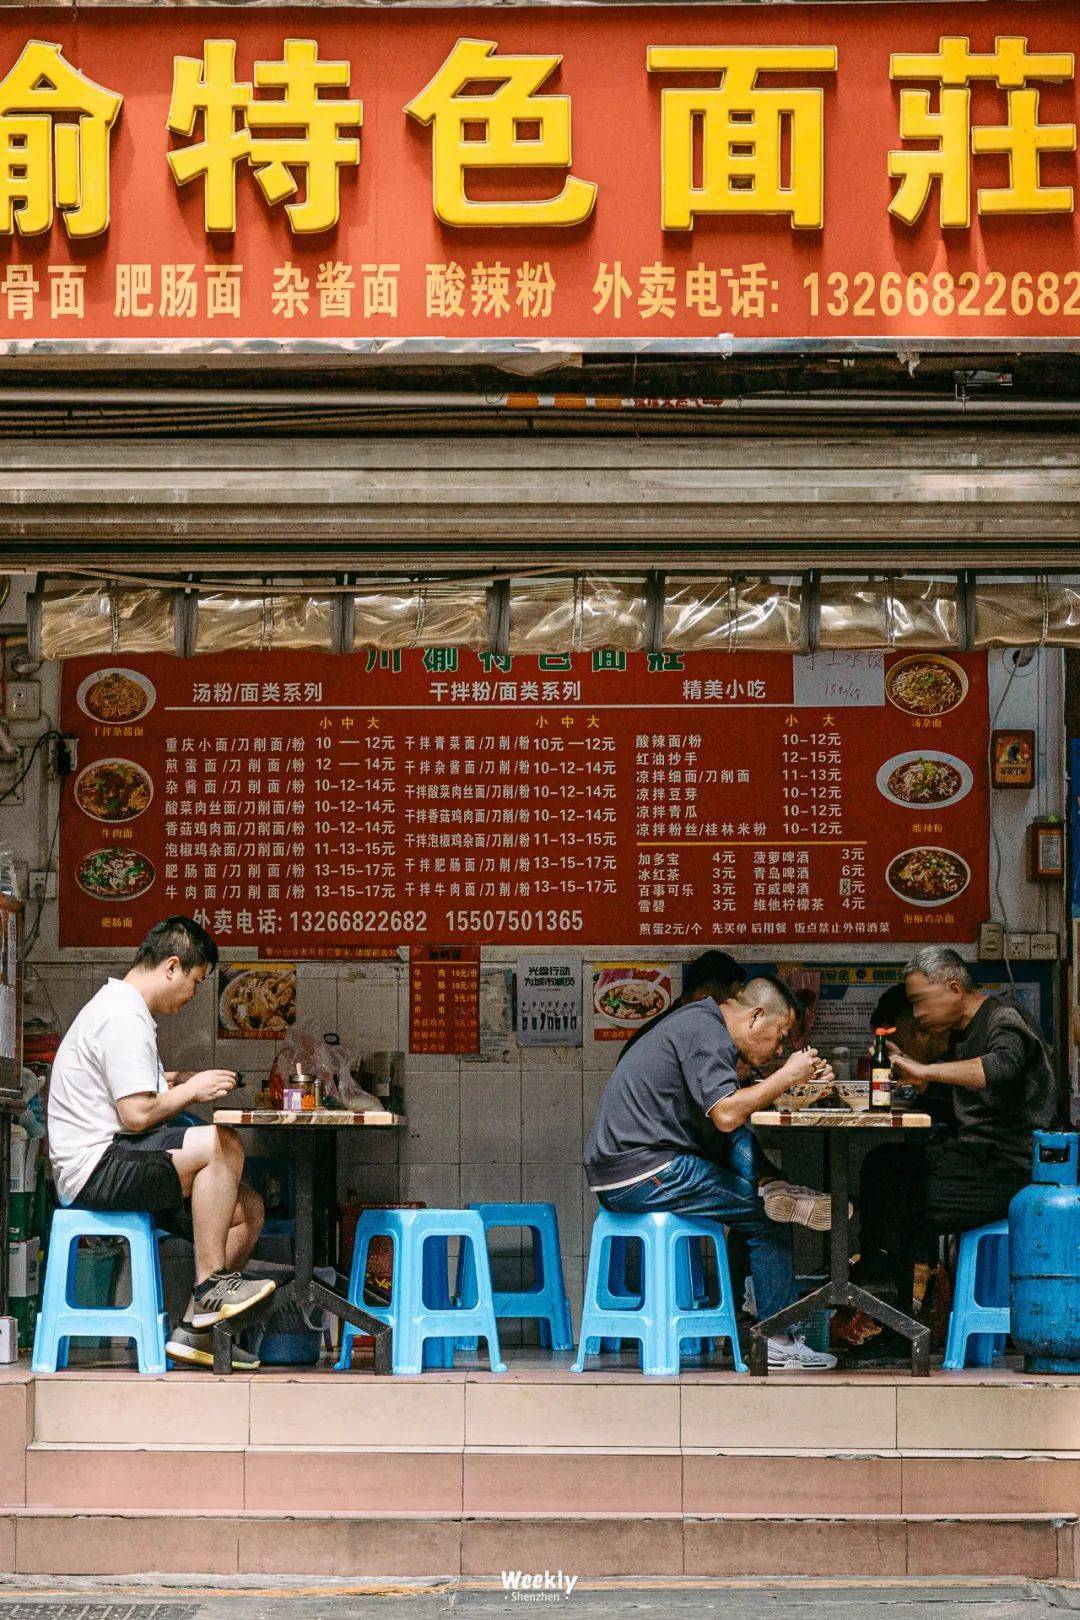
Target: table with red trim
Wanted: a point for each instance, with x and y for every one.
(840, 1127)
(298, 1137)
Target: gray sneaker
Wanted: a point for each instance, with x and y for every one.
(193, 1348)
(224, 1295)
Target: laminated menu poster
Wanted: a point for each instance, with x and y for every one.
(306, 805)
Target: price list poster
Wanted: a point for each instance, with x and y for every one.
(307, 805)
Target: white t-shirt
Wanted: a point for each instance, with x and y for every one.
(109, 1052)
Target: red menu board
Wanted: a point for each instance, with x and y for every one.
(444, 998)
(306, 805)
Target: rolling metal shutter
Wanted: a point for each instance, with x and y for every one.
(855, 499)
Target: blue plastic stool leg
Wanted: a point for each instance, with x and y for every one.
(980, 1313)
(437, 1352)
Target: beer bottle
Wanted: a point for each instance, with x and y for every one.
(881, 1071)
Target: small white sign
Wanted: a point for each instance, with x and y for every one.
(839, 680)
(549, 1001)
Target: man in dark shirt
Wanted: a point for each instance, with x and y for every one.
(657, 1141)
(999, 1073)
(713, 973)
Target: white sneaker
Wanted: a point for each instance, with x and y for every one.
(793, 1354)
(796, 1206)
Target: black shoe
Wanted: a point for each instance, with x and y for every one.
(195, 1348)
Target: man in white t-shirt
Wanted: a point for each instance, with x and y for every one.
(115, 1140)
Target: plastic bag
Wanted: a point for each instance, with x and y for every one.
(307, 1051)
(330, 1064)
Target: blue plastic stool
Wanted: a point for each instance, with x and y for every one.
(61, 1320)
(424, 1320)
(980, 1311)
(616, 1286)
(546, 1300)
(666, 1312)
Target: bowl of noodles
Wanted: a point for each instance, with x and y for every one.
(116, 697)
(928, 875)
(115, 873)
(925, 684)
(113, 790)
(924, 777)
(630, 1000)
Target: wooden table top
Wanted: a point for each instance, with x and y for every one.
(340, 1118)
(897, 1119)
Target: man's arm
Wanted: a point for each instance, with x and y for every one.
(1003, 1060)
(734, 1110)
(142, 1110)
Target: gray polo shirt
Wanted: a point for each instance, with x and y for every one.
(656, 1103)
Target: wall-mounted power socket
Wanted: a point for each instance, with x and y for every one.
(1019, 947)
(43, 885)
(23, 701)
(10, 774)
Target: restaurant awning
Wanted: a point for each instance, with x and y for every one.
(838, 497)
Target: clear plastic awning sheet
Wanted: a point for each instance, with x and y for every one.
(571, 613)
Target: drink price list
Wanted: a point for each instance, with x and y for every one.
(306, 805)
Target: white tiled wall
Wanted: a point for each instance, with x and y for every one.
(477, 1129)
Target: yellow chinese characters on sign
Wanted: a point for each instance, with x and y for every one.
(235, 122)
(495, 130)
(55, 137)
(743, 126)
(954, 67)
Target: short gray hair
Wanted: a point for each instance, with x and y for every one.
(941, 965)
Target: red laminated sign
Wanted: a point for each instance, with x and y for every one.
(692, 176)
(307, 805)
(444, 998)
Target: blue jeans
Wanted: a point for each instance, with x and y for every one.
(696, 1187)
(744, 1157)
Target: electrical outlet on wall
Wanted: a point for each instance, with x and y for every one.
(10, 795)
(43, 885)
(23, 700)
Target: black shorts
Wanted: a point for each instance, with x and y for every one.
(137, 1173)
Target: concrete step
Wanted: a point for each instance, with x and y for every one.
(84, 1542)
(467, 1409)
(530, 1480)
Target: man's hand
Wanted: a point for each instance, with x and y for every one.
(210, 1084)
(805, 1066)
(906, 1069)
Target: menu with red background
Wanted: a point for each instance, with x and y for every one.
(307, 805)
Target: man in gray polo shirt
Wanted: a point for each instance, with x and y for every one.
(667, 1112)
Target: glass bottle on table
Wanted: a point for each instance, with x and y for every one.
(881, 1082)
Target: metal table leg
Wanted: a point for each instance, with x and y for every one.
(840, 1290)
(305, 1288)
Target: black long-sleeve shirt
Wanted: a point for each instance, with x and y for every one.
(1020, 1092)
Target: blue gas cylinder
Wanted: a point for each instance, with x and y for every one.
(1044, 1257)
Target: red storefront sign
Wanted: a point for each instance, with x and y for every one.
(692, 173)
(310, 805)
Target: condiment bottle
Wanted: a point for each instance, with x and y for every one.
(881, 1086)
